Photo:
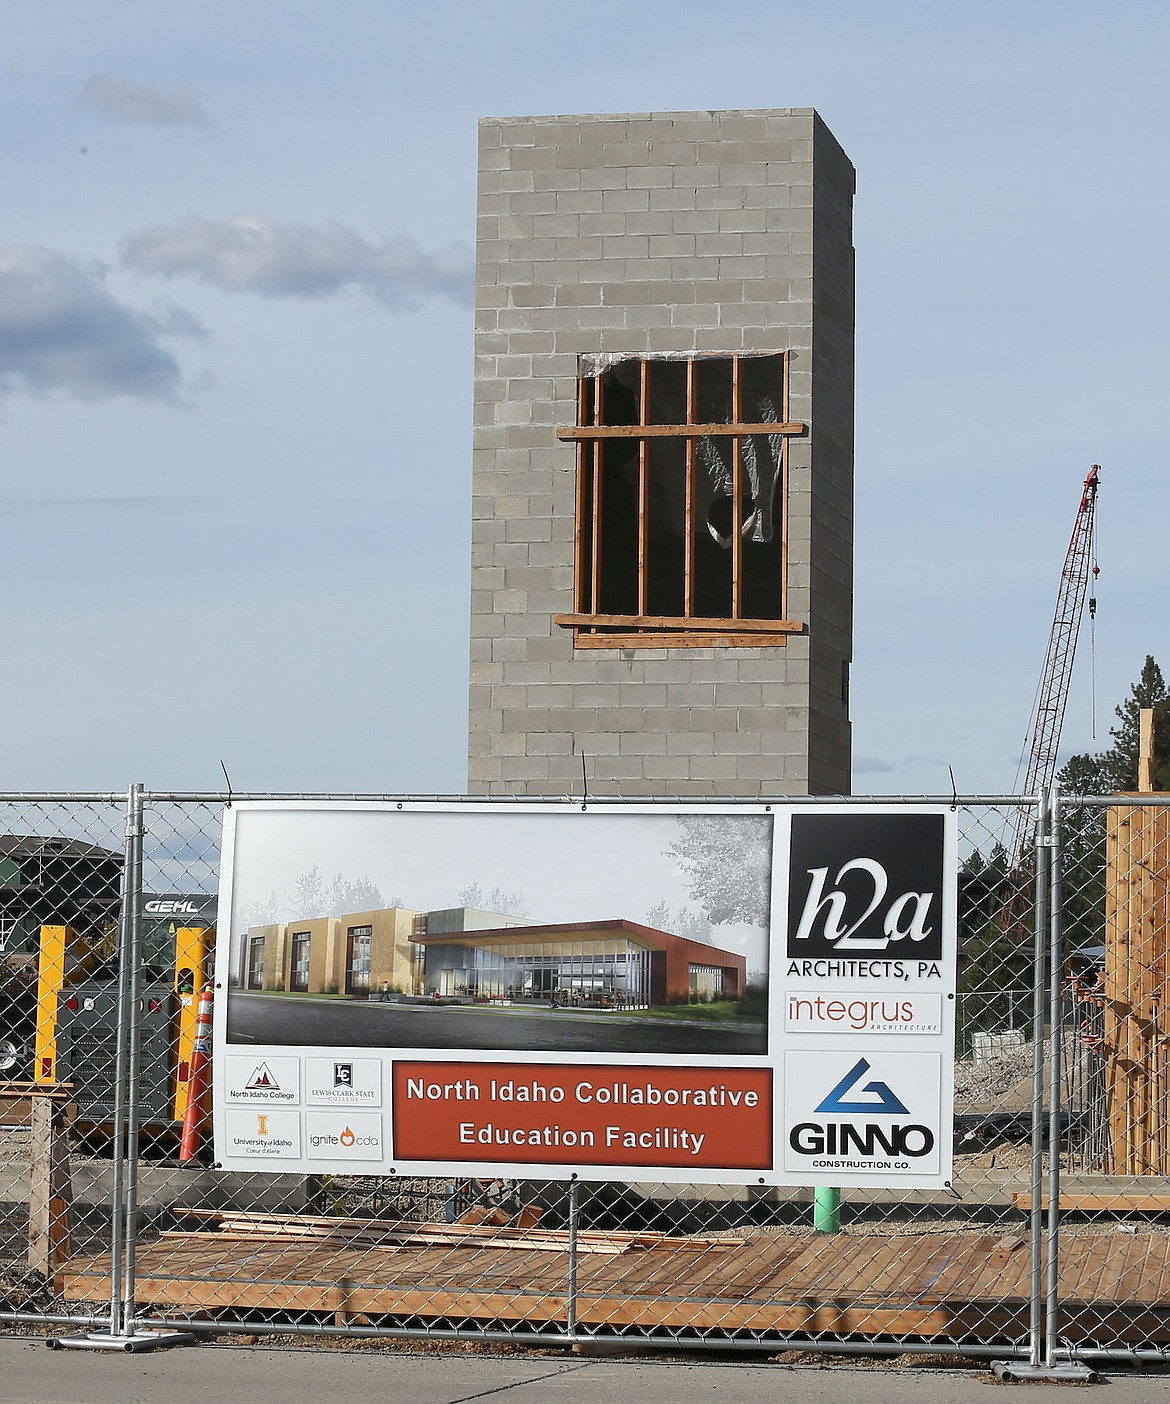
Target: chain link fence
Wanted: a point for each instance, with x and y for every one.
(1050, 1244)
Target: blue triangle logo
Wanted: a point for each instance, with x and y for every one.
(880, 1098)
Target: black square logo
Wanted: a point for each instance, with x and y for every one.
(866, 885)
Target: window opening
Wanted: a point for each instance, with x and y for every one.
(681, 532)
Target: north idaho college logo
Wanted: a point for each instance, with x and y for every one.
(262, 1080)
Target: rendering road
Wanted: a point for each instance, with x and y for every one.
(332, 1023)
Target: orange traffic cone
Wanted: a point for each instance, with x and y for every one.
(200, 1080)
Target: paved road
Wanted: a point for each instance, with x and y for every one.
(271, 1019)
(197, 1374)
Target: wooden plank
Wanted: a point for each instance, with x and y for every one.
(460, 1232)
(669, 621)
(727, 639)
(1101, 1202)
(17, 1100)
(535, 1243)
(574, 433)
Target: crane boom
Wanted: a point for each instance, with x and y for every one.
(1052, 694)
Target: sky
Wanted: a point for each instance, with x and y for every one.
(236, 261)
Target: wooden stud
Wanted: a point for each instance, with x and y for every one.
(785, 410)
(643, 480)
(736, 498)
(50, 1187)
(595, 558)
(689, 512)
(1146, 751)
(579, 525)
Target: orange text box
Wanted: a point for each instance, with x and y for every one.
(539, 1113)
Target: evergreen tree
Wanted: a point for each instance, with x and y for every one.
(1116, 769)
(1108, 772)
(1121, 761)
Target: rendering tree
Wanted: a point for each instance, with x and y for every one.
(728, 863)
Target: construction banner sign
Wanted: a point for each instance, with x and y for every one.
(747, 993)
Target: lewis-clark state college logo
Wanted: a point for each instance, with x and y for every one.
(866, 885)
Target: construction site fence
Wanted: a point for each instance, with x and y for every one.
(1051, 1245)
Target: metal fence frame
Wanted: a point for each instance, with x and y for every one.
(1044, 1345)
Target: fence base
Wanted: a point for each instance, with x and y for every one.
(133, 1345)
(1020, 1372)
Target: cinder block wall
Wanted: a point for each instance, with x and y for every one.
(715, 232)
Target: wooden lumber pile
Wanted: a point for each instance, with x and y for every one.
(233, 1226)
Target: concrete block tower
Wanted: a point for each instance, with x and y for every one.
(663, 457)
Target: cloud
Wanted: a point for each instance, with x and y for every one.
(872, 765)
(252, 253)
(134, 102)
(61, 329)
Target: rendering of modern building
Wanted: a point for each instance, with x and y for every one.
(607, 962)
(453, 953)
(663, 456)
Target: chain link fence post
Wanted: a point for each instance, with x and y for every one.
(122, 1233)
(130, 1016)
(1036, 1297)
(571, 1302)
(1055, 1041)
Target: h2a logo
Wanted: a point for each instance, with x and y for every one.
(866, 882)
(843, 913)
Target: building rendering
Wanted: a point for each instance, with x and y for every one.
(663, 456)
(461, 953)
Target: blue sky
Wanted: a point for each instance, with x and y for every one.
(235, 362)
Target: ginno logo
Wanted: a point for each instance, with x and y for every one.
(839, 915)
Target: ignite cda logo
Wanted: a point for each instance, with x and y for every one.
(345, 1139)
(864, 883)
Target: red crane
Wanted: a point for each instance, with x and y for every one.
(1052, 694)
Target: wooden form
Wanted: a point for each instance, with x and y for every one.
(1136, 1039)
(594, 628)
(47, 1109)
(917, 1285)
(946, 1285)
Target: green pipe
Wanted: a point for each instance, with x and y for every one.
(827, 1209)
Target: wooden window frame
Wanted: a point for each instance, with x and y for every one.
(593, 628)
